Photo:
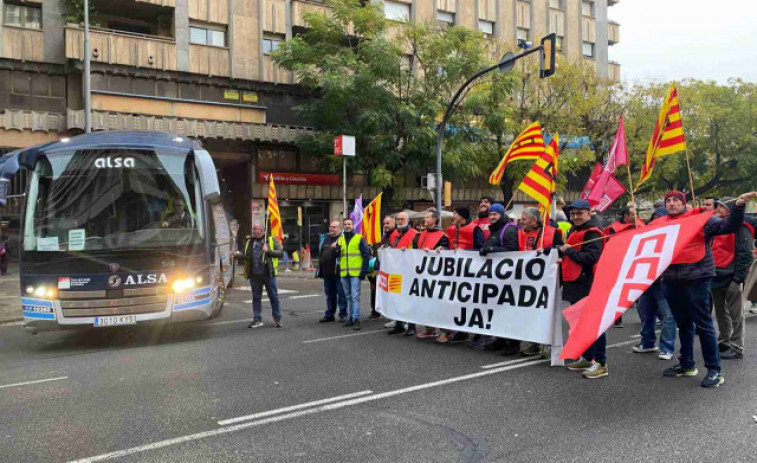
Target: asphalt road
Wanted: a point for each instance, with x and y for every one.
(312, 392)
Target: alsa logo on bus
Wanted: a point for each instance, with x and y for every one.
(148, 279)
(115, 162)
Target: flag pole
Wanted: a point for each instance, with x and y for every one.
(630, 190)
(691, 178)
(543, 227)
(265, 231)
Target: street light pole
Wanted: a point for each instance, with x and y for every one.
(85, 74)
(505, 65)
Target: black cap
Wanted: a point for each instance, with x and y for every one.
(463, 212)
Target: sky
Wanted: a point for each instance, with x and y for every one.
(675, 39)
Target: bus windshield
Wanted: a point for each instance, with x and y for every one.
(104, 199)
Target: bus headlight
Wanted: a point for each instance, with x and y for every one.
(42, 292)
(183, 284)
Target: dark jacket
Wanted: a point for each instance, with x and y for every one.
(276, 252)
(327, 263)
(587, 257)
(705, 268)
(738, 269)
(365, 252)
(443, 241)
(509, 241)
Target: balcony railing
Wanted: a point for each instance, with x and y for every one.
(125, 48)
(171, 3)
(613, 32)
(21, 44)
(211, 61)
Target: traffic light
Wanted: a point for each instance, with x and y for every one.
(547, 62)
(447, 194)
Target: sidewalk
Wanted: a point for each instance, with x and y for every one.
(10, 299)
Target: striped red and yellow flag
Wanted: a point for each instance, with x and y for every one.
(372, 221)
(528, 145)
(668, 136)
(541, 181)
(273, 211)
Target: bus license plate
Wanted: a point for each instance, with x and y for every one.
(116, 320)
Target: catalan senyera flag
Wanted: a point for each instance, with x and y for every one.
(667, 137)
(273, 211)
(528, 145)
(540, 181)
(372, 221)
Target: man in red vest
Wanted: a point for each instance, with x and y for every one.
(530, 239)
(431, 238)
(463, 235)
(483, 215)
(627, 221)
(530, 236)
(733, 258)
(402, 238)
(580, 254)
(687, 283)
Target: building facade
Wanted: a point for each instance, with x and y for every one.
(202, 68)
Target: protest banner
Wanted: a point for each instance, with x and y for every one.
(508, 295)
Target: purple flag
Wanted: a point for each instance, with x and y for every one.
(357, 215)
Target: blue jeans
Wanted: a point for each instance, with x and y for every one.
(597, 351)
(257, 283)
(690, 304)
(351, 286)
(332, 286)
(653, 304)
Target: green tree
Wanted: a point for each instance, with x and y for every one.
(720, 123)
(386, 83)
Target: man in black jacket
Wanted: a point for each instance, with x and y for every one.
(503, 237)
(687, 283)
(328, 270)
(261, 258)
(503, 234)
(733, 258)
(580, 254)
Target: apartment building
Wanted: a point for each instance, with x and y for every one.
(202, 68)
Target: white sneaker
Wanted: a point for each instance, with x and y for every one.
(390, 324)
(665, 356)
(643, 350)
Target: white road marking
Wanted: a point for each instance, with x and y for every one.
(228, 322)
(281, 291)
(265, 299)
(26, 383)
(509, 362)
(6, 297)
(297, 414)
(304, 296)
(344, 336)
(279, 411)
(624, 343)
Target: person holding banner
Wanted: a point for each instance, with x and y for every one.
(463, 235)
(402, 238)
(354, 256)
(530, 239)
(388, 228)
(687, 283)
(580, 254)
(503, 237)
(431, 238)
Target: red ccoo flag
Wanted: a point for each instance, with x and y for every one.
(630, 263)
